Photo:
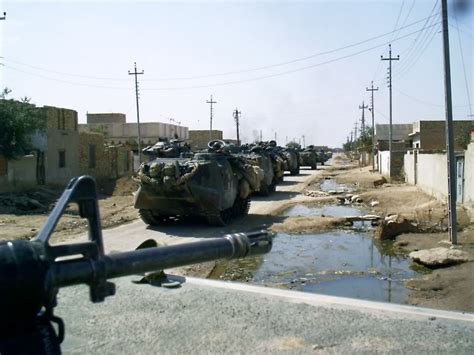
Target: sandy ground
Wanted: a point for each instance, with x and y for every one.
(447, 288)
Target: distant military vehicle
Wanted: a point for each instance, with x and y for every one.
(174, 148)
(324, 156)
(309, 157)
(292, 158)
(257, 155)
(214, 184)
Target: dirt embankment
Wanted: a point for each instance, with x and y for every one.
(23, 214)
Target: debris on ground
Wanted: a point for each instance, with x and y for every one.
(439, 257)
(392, 226)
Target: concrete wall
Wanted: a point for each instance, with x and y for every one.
(409, 168)
(399, 131)
(469, 175)
(384, 163)
(20, 174)
(394, 169)
(430, 172)
(127, 133)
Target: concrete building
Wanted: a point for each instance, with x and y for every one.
(117, 131)
(102, 161)
(431, 135)
(57, 147)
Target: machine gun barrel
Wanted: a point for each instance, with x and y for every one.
(230, 246)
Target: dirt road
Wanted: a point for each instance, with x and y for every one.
(443, 288)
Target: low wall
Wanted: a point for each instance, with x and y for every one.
(21, 174)
(432, 174)
(409, 168)
(469, 175)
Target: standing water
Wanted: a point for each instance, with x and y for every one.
(340, 263)
(348, 263)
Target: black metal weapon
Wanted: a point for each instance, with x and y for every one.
(31, 272)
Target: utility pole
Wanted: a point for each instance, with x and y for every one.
(449, 129)
(362, 120)
(135, 73)
(261, 137)
(304, 142)
(373, 120)
(237, 113)
(390, 58)
(210, 129)
(355, 131)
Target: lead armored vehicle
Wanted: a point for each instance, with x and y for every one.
(214, 185)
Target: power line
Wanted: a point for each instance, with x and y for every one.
(229, 72)
(235, 81)
(464, 69)
(398, 18)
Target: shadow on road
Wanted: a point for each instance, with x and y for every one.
(198, 227)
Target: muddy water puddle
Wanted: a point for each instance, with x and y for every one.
(339, 263)
(323, 210)
(330, 185)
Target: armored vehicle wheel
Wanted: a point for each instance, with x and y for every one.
(149, 217)
(241, 206)
(265, 189)
(295, 171)
(215, 220)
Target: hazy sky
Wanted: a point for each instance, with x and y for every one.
(292, 68)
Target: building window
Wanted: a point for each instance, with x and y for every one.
(62, 158)
(91, 156)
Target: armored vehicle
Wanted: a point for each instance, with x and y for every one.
(257, 156)
(292, 159)
(309, 157)
(214, 184)
(174, 148)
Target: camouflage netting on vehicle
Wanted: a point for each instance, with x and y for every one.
(174, 174)
(168, 174)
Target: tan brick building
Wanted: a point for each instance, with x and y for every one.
(431, 135)
(199, 138)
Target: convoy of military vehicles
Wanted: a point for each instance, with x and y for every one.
(214, 184)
